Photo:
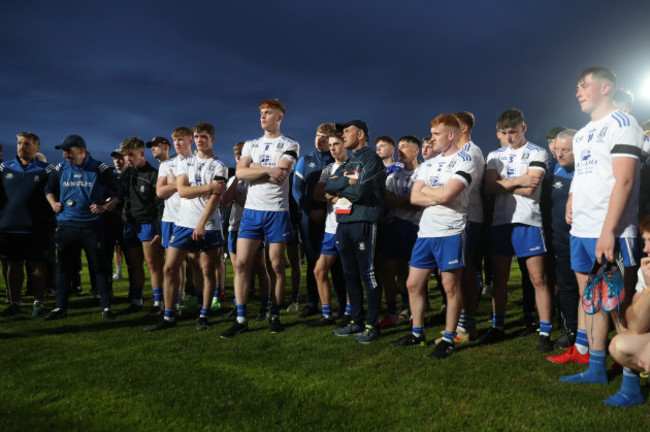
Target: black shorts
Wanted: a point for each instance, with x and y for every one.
(26, 246)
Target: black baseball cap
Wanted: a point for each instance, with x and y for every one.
(157, 140)
(117, 153)
(71, 141)
(359, 124)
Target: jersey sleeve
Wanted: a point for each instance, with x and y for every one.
(220, 171)
(538, 160)
(391, 183)
(246, 150)
(325, 174)
(627, 141)
(465, 172)
(420, 174)
(163, 170)
(181, 167)
(492, 162)
(291, 151)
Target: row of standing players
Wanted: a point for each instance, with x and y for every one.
(436, 196)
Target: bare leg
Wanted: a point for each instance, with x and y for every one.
(416, 285)
(451, 281)
(535, 265)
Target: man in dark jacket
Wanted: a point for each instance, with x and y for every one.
(75, 191)
(360, 185)
(25, 221)
(143, 214)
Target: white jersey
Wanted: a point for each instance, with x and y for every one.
(330, 221)
(237, 209)
(445, 220)
(594, 147)
(475, 207)
(267, 152)
(640, 281)
(400, 183)
(199, 172)
(172, 202)
(511, 163)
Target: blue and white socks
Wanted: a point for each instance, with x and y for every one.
(595, 374)
(582, 342)
(327, 311)
(157, 297)
(630, 392)
(241, 313)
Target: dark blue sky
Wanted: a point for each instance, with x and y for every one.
(115, 69)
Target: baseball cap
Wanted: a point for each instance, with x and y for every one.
(359, 124)
(71, 141)
(116, 153)
(553, 133)
(157, 140)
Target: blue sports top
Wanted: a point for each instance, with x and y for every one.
(23, 207)
(78, 187)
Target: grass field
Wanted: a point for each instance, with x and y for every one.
(86, 374)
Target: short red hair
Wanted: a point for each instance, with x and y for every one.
(644, 225)
(273, 103)
(446, 119)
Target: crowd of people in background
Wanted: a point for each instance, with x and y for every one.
(370, 228)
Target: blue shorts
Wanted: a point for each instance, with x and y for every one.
(167, 229)
(446, 253)
(182, 239)
(136, 233)
(329, 245)
(517, 239)
(258, 224)
(399, 238)
(232, 242)
(583, 252)
(473, 232)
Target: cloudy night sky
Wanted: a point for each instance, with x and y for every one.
(110, 70)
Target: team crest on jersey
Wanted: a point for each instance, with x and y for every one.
(279, 146)
(525, 156)
(451, 164)
(602, 132)
(362, 246)
(10, 175)
(558, 185)
(37, 178)
(141, 188)
(591, 135)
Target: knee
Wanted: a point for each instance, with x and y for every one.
(644, 358)
(613, 347)
(539, 281)
(278, 266)
(411, 286)
(240, 266)
(319, 273)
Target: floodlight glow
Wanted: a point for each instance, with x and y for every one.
(645, 89)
